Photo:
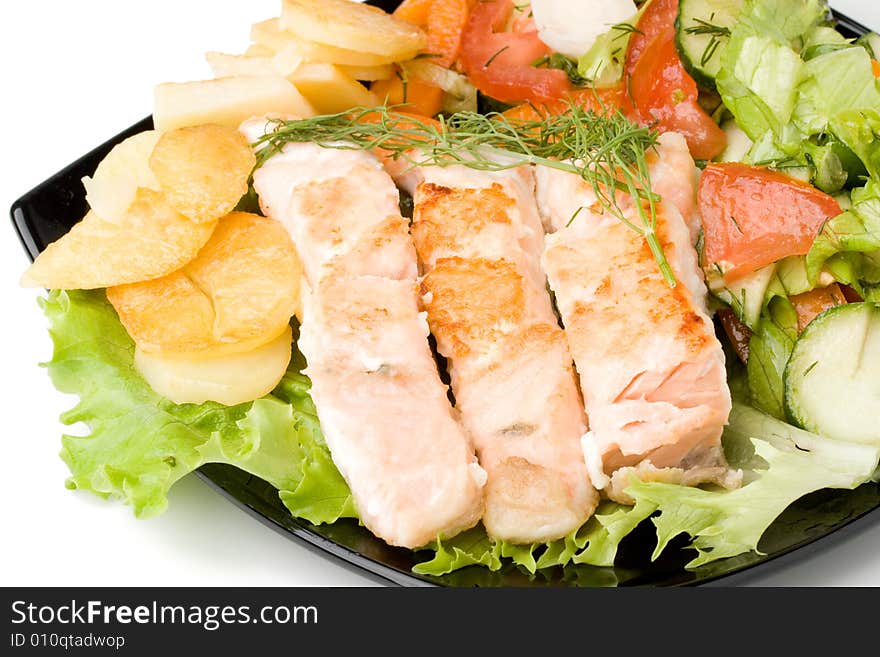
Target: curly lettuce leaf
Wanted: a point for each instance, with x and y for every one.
(782, 463)
(595, 544)
(139, 444)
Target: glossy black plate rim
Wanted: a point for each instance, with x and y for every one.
(34, 219)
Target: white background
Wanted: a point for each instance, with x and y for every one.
(75, 74)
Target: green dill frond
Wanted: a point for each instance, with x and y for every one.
(606, 149)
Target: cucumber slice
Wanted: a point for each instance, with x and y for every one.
(832, 381)
(701, 32)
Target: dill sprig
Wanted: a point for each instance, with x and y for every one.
(607, 150)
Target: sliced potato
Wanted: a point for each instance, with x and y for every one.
(354, 26)
(151, 240)
(111, 191)
(271, 35)
(237, 294)
(226, 101)
(229, 379)
(282, 63)
(329, 90)
(368, 73)
(203, 169)
(287, 60)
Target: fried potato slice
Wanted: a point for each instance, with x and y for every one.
(151, 240)
(237, 294)
(203, 170)
(329, 90)
(354, 26)
(368, 73)
(269, 34)
(284, 63)
(228, 379)
(226, 101)
(112, 188)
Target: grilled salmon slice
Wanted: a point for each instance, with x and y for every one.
(384, 411)
(479, 239)
(651, 368)
(674, 177)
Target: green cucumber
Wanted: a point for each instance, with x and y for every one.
(702, 29)
(832, 380)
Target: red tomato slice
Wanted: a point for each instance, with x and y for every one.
(664, 93)
(661, 89)
(602, 101)
(658, 20)
(753, 217)
(500, 63)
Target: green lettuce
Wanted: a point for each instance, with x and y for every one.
(139, 444)
(762, 68)
(859, 129)
(781, 464)
(796, 87)
(837, 82)
(848, 246)
(595, 544)
(758, 82)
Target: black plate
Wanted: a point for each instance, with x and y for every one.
(49, 210)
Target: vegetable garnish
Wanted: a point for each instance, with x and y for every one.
(606, 149)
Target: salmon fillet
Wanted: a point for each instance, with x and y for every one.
(479, 239)
(384, 411)
(674, 177)
(651, 368)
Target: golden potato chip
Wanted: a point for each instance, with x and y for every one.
(151, 240)
(203, 169)
(237, 294)
(353, 26)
